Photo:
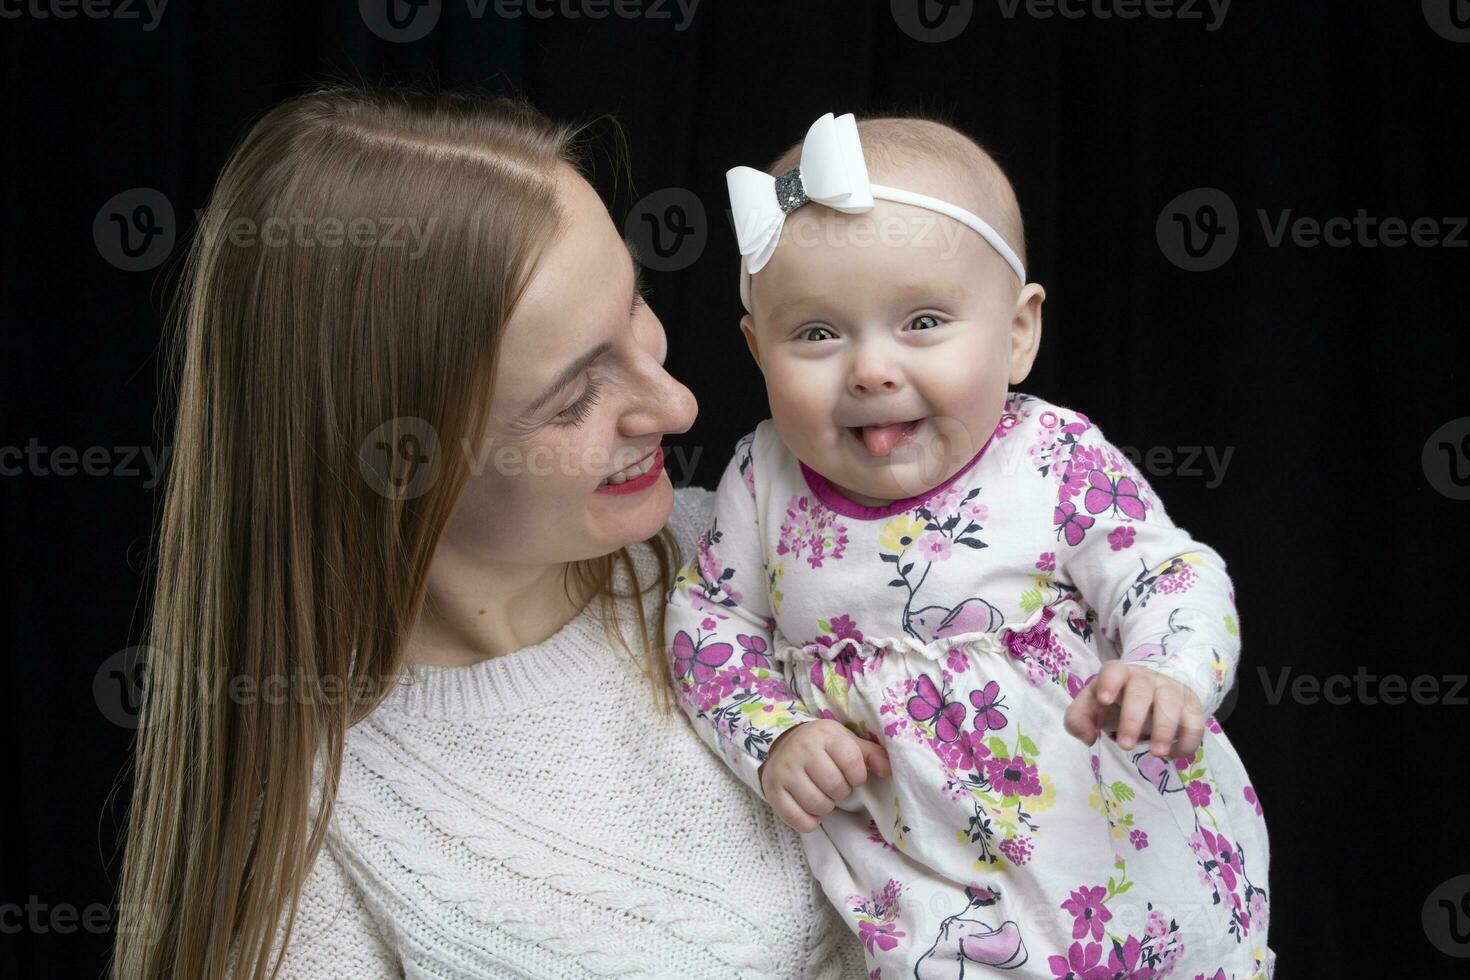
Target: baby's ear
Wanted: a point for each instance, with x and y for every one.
(1026, 330)
(747, 327)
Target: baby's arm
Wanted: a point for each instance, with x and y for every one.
(718, 632)
(1163, 596)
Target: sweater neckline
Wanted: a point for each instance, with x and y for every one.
(834, 500)
(562, 663)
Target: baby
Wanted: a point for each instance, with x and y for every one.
(922, 598)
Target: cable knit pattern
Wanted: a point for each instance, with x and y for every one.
(534, 815)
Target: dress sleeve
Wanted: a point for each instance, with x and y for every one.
(1164, 599)
(718, 628)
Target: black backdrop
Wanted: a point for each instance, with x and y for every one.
(1325, 370)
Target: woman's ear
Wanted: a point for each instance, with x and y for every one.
(747, 327)
(1026, 330)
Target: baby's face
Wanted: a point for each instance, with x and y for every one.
(900, 315)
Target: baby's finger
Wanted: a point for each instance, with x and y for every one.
(790, 811)
(831, 776)
(807, 795)
(876, 758)
(1080, 719)
(1191, 730)
(1137, 699)
(1168, 707)
(847, 756)
(1112, 677)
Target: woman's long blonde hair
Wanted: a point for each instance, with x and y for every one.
(305, 370)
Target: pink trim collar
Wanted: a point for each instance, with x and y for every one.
(833, 500)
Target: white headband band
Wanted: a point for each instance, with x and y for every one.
(832, 172)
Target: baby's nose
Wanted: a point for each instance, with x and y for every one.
(871, 374)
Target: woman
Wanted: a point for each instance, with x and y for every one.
(394, 722)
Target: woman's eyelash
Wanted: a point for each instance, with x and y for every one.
(640, 292)
(584, 405)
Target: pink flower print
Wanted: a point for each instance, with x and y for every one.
(1177, 578)
(1199, 793)
(1219, 975)
(844, 664)
(1156, 925)
(884, 937)
(1047, 562)
(1070, 523)
(975, 512)
(1138, 839)
(956, 661)
(843, 628)
(1123, 961)
(1095, 766)
(1250, 797)
(933, 546)
(1213, 725)
(965, 753)
(708, 622)
(810, 526)
(740, 677)
(945, 500)
(1012, 777)
(1216, 849)
(1121, 537)
(1048, 419)
(1080, 963)
(709, 561)
(1073, 483)
(1088, 911)
(1007, 422)
(876, 836)
(1017, 849)
(1260, 914)
(755, 650)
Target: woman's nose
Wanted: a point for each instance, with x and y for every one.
(663, 405)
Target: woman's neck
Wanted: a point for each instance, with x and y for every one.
(473, 611)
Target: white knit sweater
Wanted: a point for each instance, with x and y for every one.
(533, 816)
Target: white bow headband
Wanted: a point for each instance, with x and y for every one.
(832, 172)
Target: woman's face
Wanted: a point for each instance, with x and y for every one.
(580, 394)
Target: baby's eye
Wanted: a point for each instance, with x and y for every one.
(924, 321)
(806, 333)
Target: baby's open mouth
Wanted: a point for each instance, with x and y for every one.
(880, 440)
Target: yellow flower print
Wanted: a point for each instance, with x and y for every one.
(1048, 797)
(899, 533)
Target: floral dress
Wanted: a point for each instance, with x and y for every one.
(954, 629)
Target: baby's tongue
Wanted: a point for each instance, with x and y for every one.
(880, 438)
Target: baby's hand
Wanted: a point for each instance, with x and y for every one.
(812, 766)
(1138, 701)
